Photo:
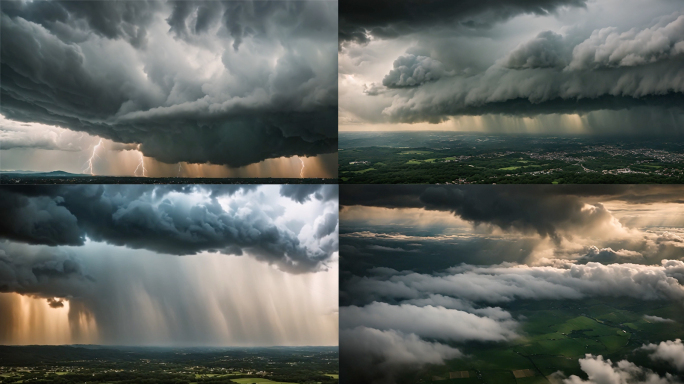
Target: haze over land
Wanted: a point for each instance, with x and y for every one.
(506, 284)
(166, 88)
(592, 67)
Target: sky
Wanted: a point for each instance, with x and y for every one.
(169, 265)
(426, 269)
(513, 66)
(170, 88)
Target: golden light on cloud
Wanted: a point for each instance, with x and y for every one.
(401, 216)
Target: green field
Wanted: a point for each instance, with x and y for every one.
(429, 158)
(555, 335)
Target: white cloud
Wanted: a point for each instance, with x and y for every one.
(669, 351)
(600, 371)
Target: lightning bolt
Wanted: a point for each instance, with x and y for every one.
(179, 169)
(89, 163)
(301, 173)
(141, 165)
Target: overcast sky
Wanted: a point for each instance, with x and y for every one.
(229, 83)
(540, 66)
(426, 269)
(193, 265)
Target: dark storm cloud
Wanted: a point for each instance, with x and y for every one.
(519, 208)
(86, 66)
(303, 193)
(111, 19)
(386, 18)
(151, 218)
(39, 219)
(412, 70)
(610, 70)
(547, 210)
(37, 271)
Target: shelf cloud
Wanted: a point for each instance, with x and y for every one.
(230, 83)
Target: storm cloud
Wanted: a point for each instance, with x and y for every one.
(360, 20)
(412, 71)
(230, 83)
(522, 66)
(521, 208)
(178, 220)
(27, 270)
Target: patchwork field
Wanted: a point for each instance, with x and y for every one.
(555, 335)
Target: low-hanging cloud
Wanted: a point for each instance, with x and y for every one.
(604, 371)
(507, 282)
(544, 51)
(230, 83)
(428, 322)
(670, 351)
(178, 220)
(377, 356)
(41, 271)
(552, 73)
(529, 210)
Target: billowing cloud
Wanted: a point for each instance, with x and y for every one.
(412, 70)
(505, 283)
(428, 322)
(179, 220)
(303, 193)
(609, 256)
(669, 351)
(602, 371)
(377, 356)
(507, 207)
(540, 67)
(544, 51)
(608, 48)
(40, 271)
(637, 68)
(229, 83)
